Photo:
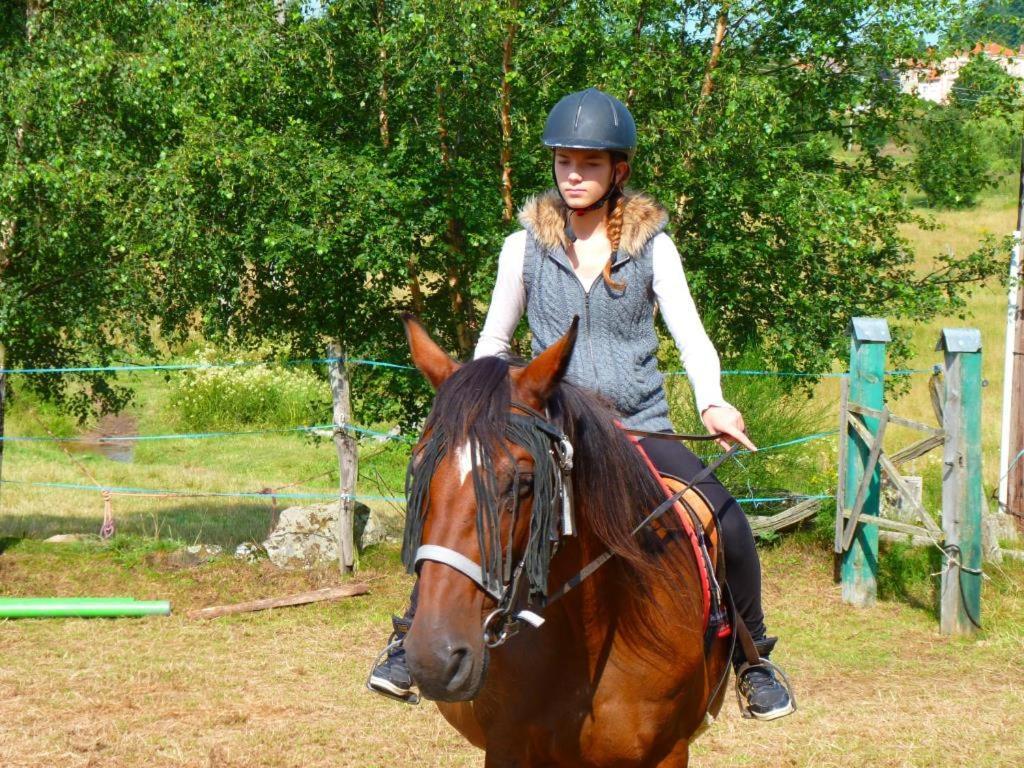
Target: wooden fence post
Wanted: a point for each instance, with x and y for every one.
(348, 458)
(960, 603)
(859, 566)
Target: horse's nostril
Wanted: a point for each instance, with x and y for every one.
(458, 668)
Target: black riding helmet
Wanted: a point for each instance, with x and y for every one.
(590, 119)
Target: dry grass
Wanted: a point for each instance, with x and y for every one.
(876, 687)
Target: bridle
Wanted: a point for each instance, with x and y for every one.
(507, 618)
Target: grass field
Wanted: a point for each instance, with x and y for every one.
(876, 687)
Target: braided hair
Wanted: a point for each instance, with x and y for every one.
(613, 223)
(613, 228)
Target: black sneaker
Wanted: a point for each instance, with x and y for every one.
(390, 675)
(762, 695)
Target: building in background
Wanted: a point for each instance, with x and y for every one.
(934, 81)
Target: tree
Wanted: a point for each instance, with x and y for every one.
(75, 137)
(304, 180)
(997, 21)
(984, 88)
(950, 165)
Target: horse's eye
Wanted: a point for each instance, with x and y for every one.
(525, 486)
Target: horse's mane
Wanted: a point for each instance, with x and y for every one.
(613, 486)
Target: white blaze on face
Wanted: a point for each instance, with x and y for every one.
(464, 454)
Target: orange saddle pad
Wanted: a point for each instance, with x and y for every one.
(695, 502)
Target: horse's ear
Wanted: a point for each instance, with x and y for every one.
(539, 379)
(433, 362)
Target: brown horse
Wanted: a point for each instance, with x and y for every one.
(617, 673)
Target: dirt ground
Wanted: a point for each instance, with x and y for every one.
(875, 687)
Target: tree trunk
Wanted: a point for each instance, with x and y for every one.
(506, 117)
(382, 91)
(721, 27)
(3, 394)
(8, 231)
(637, 31)
(9, 228)
(708, 86)
(415, 292)
(462, 308)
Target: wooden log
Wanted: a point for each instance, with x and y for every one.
(894, 419)
(897, 526)
(960, 606)
(844, 432)
(935, 393)
(303, 598)
(867, 478)
(917, 450)
(897, 480)
(787, 518)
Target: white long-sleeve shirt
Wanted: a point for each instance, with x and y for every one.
(671, 291)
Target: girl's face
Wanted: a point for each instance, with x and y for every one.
(584, 175)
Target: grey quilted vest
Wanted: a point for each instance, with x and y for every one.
(615, 353)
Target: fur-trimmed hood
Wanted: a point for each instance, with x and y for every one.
(643, 218)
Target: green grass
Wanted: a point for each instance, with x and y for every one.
(287, 462)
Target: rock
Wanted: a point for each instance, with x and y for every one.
(250, 551)
(369, 528)
(73, 538)
(305, 537)
(190, 557)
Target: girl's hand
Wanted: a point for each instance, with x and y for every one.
(718, 418)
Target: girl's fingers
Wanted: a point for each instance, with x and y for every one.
(739, 437)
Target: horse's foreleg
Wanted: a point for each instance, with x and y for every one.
(462, 717)
(679, 757)
(501, 758)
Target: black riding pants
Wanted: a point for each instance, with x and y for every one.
(742, 565)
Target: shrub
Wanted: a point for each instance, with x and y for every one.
(255, 396)
(951, 166)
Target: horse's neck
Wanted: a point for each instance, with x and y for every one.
(608, 600)
(593, 603)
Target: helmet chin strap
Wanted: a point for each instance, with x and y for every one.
(570, 233)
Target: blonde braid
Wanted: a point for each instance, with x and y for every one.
(613, 228)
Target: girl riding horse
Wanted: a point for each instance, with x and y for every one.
(590, 248)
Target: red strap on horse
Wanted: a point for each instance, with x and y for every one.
(705, 582)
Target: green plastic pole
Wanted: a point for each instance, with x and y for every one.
(53, 607)
(859, 567)
(960, 602)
